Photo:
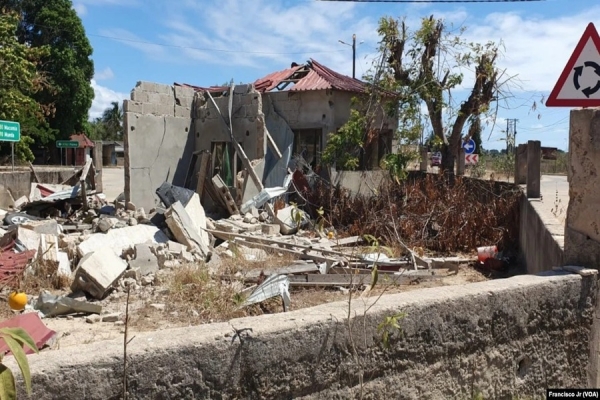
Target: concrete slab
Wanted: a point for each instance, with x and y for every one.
(97, 271)
(145, 261)
(184, 229)
(121, 239)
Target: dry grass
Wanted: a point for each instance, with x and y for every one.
(432, 212)
(43, 276)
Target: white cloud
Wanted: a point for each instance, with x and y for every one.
(80, 9)
(105, 74)
(103, 97)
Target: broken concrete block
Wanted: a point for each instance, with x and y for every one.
(133, 273)
(64, 264)
(186, 256)
(147, 280)
(198, 216)
(29, 238)
(92, 319)
(159, 307)
(21, 201)
(250, 254)
(175, 247)
(287, 217)
(248, 217)
(114, 317)
(132, 221)
(145, 260)
(48, 226)
(48, 252)
(121, 239)
(104, 224)
(185, 231)
(270, 229)
(98, 271)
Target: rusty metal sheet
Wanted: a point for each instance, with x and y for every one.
(13, 264)
(271, 81)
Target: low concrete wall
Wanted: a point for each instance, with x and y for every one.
(541, 237)
(18, 182)
(502, 338)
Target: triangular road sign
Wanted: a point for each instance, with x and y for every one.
(579, 83)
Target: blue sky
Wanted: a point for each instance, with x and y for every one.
(208, 42)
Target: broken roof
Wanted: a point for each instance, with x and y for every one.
(310, 76)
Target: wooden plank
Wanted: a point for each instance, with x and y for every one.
(301, 255)
(223, 191)
(300, 268)
(203, 172)
(350, 279)
(35, 175)
(273, 145)
(248, 239)
(347, 241)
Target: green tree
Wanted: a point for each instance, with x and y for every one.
(69, 67)
(428, 63)
(20, 81)
(112, 118)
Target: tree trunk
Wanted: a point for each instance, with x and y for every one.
(448, 157)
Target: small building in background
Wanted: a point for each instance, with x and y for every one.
(77, 156)
(112, 153)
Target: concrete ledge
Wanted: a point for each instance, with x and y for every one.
(541, 237)
(504, 338)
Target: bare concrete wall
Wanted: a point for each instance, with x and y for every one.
(248, 122)
(541, 237)
(503, 338)
(582, 233)
(158, 139)
(18, 183)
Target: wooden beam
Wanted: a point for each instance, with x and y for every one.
(273, 145)
(35, 175)
(300, 254)
(249, 239)
(203, 172)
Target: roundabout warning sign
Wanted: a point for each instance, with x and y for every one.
(579, 83)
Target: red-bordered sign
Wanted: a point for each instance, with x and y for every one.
(570, 89)
(471, 159)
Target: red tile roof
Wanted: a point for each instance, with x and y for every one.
(83, 140)
(34, 326)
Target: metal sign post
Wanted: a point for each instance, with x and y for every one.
(12, 154)
(10, 131)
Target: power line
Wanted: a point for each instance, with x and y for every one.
(429, 1)
(435, 1)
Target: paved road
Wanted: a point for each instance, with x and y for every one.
(113, 182)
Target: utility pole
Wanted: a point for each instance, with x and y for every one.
(353, 45)
(511, 134)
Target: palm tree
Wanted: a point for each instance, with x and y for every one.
(112, 119)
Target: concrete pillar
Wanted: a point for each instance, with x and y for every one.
(98, 164)
(534, 159)
(424, 160)
(521, 165)
(582, 230)
(460, 162)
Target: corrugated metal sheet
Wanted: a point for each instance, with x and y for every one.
(271, 81)
(211, 89)
(13, 264)
(312, 81)
(34, 326)
(337, 80)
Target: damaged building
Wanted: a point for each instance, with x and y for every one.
(230, 148)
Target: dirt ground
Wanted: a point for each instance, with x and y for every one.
(151, 309)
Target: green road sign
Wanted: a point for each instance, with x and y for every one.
(10, 131)
(67, 144)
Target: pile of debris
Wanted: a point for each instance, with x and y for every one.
(100, 249)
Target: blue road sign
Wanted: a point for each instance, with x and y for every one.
(469, 146)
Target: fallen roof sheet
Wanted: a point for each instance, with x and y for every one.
(271, 81)
(211, 89)
(13, 264)
(34, 326)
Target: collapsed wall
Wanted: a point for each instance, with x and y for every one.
(504, 339)
(158, 139)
